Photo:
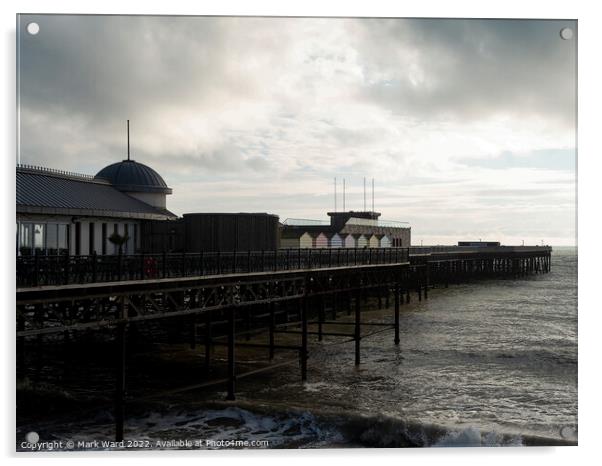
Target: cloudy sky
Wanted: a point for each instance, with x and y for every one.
(467, 126)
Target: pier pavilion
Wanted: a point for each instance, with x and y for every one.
(63, 212)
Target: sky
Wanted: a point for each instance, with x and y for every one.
(467, 126)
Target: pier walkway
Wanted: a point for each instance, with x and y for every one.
(223, 298)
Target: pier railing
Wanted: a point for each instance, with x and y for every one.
(418, 250)
(43, 270)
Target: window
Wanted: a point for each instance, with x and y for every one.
(25, 236)
(63, 238)
(52, 238)
(136, 246)
(78, 238)
(38, 236)
(104, 238)
(115, 230)
(91, 248)
(127, 241)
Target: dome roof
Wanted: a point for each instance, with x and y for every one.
(132, 176)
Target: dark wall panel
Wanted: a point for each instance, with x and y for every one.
(231, 232)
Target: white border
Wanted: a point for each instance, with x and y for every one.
(590, 80)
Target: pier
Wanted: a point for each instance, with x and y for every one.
(224, 298)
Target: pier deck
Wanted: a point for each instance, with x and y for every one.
(240, 294)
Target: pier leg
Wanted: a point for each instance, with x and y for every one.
(120, 347)
(248, 323)
(349, 303)
(208, 341)
(396, 340)
(304, 338)
(357, 333)
(21, 369)
(387, 293)
(193, 334)
(272, 326)
(320, 316)
(334, 306)
(231, 354)
(447, 267)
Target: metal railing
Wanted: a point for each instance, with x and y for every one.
(416, 250)
(43, 270)
(377, 223)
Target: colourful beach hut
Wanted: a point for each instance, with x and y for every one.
(349, 241)
(321, 241)
(362, 242)
(305, 240)
(336, 241)
(385, 242)
(373, 241)
(295, 240)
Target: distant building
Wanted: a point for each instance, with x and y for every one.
(346, 229)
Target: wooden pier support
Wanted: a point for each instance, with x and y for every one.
(320, 316)
(120, 379)
(303, 354)
(271, 329)
(21, 369)
(208, 341)
(357, 329)
(396, 339)
(231, 354)
(334, 302)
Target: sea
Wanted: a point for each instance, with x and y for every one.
(486, 363)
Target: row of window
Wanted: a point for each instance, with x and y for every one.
(54, 238)
(50, 237)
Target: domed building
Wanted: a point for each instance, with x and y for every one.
(62, 212)
(137, 180)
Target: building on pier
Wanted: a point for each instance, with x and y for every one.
(63, 212)
(59, 212)
(346, 229)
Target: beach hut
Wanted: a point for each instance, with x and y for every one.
(349, 241)
(295, 240)
(321, 241)
(373, 241)
(385, 242)
(290, 240)
(362, 242)
(305, 240)
(336, 241)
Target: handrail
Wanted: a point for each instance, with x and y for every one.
(42, 270)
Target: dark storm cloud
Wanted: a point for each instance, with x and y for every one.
(469, 68)
(102, 66)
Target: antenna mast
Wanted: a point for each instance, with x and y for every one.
(372, 194)
(335, 193)
(364, 194)
(128, 140)
(343, 194)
